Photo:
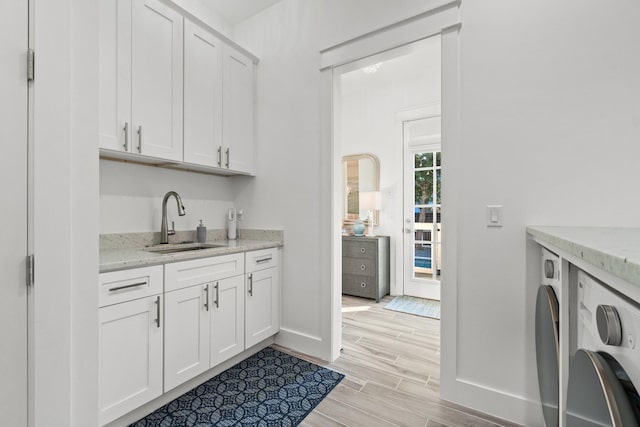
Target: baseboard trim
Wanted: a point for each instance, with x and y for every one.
(498, 403)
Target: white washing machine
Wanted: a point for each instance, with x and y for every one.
(547, 337)
(604, 372)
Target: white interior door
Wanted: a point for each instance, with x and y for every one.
(422, 207)
(13, 175)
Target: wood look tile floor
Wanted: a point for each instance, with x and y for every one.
(392, 365)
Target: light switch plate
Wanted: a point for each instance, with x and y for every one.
(494, 215)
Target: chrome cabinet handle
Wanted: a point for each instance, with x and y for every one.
(219, 155)
(139, 139)
(227, 164)
(260, 261)
(158, 311)
(217, 301)
(206, 301)
(126, 136)
(133, 285)
(251, 284)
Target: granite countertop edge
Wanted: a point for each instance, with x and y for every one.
(612, 249)
(126, 258)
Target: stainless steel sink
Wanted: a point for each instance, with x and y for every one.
(181, 247)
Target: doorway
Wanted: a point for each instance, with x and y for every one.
(14, 44)
(422, 245)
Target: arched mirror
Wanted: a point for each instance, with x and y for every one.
(360, 174)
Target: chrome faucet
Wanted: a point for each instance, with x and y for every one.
(164, 229)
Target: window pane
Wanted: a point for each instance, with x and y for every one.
(438, 160)
(438, 185)
(424, 187)
(422, 258)
(423, 160)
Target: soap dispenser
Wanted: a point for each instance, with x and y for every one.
(201, 233)
(232, 231)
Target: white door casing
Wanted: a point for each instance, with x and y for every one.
(14, 176)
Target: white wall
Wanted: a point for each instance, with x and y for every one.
(131, 198)
(369, 124)
(550, 120)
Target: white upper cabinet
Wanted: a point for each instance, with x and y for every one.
(237, 118)
(141, 77)
(115, 75)
(157, 79)
(202, 96)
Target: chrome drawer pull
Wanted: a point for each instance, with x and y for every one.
(133, 285)
(139, 139)
(251, 284)
(363, 267)
(220, 156)
(362, 250)
(267, 259)
(206, 301)
(217, 301)
(158, 311)
(126, 136)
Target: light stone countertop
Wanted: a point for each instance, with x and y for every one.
(612, 249)
(124, 251)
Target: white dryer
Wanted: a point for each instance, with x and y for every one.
(604, 373)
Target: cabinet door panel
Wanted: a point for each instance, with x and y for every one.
(186, 335)
(115, 75)
(202, 96)
(157, 80)
(237, 127)
(262, 305)
(227, 319)
(130, 356)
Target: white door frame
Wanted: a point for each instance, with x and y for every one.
(444, 19)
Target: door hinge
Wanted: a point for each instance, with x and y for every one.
(31, 58)
(31, 272)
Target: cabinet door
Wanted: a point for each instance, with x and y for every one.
(157, 80)
(202, 96)
(130, 356)
(237, 117)
(262, 305)
(227, 319)
(186, 339)
(115, 75)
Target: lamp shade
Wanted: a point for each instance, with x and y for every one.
(370, 200)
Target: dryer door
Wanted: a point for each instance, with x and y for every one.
(547, 353)
(596, 396)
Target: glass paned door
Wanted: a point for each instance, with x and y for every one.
(423, 213)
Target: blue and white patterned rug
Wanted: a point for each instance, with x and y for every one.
(418, 306)
(269, 389)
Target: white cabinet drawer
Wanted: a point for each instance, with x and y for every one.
(179, 275)
(127, 285)
(265, 258)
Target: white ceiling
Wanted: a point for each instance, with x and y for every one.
(235, 11)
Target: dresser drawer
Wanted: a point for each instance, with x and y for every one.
(363, 249)
(361, 267)
(362, 286)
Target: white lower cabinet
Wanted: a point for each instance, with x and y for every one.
(227, 319)
(186, 334)
(130, 356)
(262, 298)
(201, 313)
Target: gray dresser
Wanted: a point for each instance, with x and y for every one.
(365, 266)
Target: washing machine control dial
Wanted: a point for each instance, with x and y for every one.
(549, 269)
(609, 326)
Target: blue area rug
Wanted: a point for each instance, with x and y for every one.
(269, 389)
(418, 306)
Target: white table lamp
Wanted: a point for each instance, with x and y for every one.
(370, 201)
